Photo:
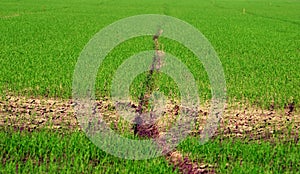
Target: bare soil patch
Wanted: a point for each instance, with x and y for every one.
(238, 120)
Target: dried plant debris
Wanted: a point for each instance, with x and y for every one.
(33, 113)
(20, 113)
(257, 123)
(186, 166)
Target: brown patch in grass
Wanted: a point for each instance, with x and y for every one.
(255, 123)
(237, 121)
(186, 166)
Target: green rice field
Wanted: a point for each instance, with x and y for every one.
(257, 42)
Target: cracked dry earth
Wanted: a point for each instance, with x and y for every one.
(239, 121)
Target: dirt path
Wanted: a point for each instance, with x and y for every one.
(21, 113)
(28, 113)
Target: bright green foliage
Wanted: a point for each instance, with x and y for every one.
(240, 156)
(257, 41)
(53, 152)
